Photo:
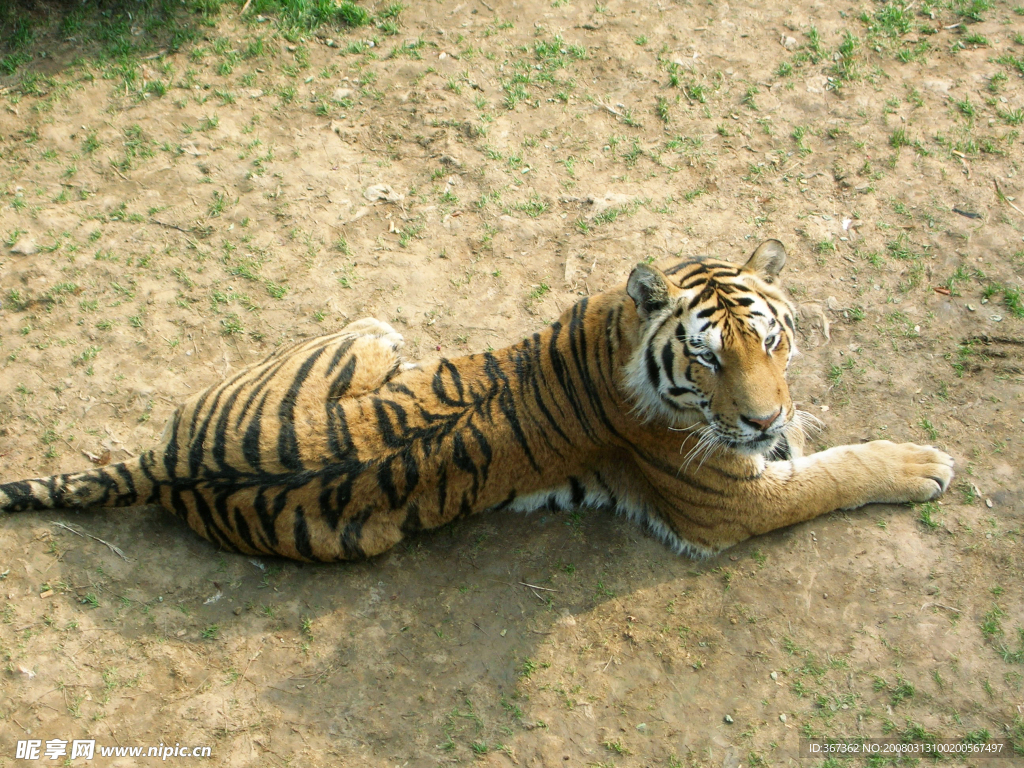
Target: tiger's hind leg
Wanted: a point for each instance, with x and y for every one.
(373, 357)
(369, 326)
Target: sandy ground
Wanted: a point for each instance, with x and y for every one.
(166, 235)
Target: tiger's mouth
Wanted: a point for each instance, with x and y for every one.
(762, 444)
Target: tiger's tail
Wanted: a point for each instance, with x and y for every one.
(117, 485)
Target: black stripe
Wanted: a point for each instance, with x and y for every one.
(267, 517)
(353, 530)
(438, 383)
(334, 499)
(339, 353)
(339, 387)
(529, 374)
(258, 384)
(288, 452)
(213, 530)
(242, 527)
(578, 347)
(251, 449)
(677, 391)
(392, 422)
(579, 493)
(413, 523)
(653, 373)
(507, 405)
(442, 492)
(506, 503)
(197, 438)
(339, 439)
(561, 375)
(130, 496)
(301, 533)
(668, 360)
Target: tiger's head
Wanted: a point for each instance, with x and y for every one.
(715, 339)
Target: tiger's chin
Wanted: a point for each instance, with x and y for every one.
(759, 446)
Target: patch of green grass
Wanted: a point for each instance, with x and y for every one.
(971, 10)
(929, 429)
(798, 135)
(136, 147)
(845, 68)
(310, 14)
(813, 50)
(616, 746)
(899, 138)
(991, 622)
(231, 325)
(1012, 295)
(900, 248)
(696, 92)
(1011, 655)
(539, 292)
(749, 96)
(1011, 116)
(556, 52)
(1014, 62)
(927, 510)
(965, 107)
(898, 692)
(533, 207)
(661, 109)
(893, 20)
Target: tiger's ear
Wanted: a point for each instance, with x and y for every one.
(767, 261)
(648, 289)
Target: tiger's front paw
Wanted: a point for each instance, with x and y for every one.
(909, 472)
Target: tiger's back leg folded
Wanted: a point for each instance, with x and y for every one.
(220, 436)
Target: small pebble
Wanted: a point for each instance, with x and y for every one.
(728, 719)
(774, 675)
(782, 717)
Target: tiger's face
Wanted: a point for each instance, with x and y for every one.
(715, 339)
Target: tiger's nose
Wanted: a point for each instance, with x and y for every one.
(762, 423)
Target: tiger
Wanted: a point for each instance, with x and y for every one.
(664, 399)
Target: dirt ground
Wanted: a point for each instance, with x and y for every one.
(168, 222)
